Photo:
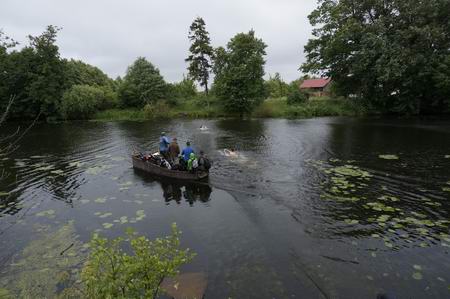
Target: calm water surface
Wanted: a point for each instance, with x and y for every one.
(320, 208)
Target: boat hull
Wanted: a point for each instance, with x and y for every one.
(164, 172)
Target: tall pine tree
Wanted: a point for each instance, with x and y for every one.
(201, 53)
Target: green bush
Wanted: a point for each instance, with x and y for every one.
(80, 102)
(110, 272)
(160, 109)
(296, 96)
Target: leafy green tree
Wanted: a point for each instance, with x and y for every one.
(276, 87)
(185, 89)
(80, 73)
(143, 84)
(6, 43)
(392, 54)
(239, 71)
(110, 272)
(82, 101)
(48, 78)
(200, 59)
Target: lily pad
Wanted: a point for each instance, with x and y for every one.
(417, 267)
(351, 221)
(388, 244)
(107, 225)
(388, 157)
(4, 193)
(105, 215)
(84, 201)
(100, 200)
(417, 276)
(47, 213)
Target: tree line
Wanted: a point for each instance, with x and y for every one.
(45, 84)
(389, 56)
(394, 56)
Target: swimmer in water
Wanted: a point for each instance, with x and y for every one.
(230, 152)
(203, 128)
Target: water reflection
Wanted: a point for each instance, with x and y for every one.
(177, 191)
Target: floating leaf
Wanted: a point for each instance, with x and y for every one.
(388, 157)
(388, 244)
(417, 275)
(84, 201)
(105, 215)
(4, 193)
(351, 221)
(100, 200)
(47, 213)
(107, 225)
(417, 267)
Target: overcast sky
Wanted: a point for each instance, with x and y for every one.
(110, 34)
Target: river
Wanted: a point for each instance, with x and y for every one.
(315, 208)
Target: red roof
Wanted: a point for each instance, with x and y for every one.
(315, 83)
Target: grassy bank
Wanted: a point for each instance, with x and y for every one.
(270, 108)
(315, 107)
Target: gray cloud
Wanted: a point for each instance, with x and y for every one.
(111, 33)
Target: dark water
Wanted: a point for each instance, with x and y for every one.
(308, 210)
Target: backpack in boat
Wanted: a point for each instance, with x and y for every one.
(206, 163)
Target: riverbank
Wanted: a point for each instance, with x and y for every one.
(270, 108)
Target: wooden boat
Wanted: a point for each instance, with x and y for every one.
(138, 163)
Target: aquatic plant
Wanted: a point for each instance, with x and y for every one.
(110, 272)
(46, 266)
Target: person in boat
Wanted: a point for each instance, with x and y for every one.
(174, 150)
(164, 145)
(192, 163)
(203, 162)
(187, 151)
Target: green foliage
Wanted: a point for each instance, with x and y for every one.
(110, 272)
(391, 54)
(296, 96)
(159, 109)
(35, 74)
(47, 86)
(315, 107)
(142, 85)
(201, 55)
(82, 101)
(239, 71)
(276, 87)
(183, 90)
(80, 73)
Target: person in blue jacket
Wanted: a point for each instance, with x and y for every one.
(164, 145)
(187, 151)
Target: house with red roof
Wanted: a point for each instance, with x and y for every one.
(317, 87)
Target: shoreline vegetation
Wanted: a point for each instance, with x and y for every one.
(230, 80)
(269, 108)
